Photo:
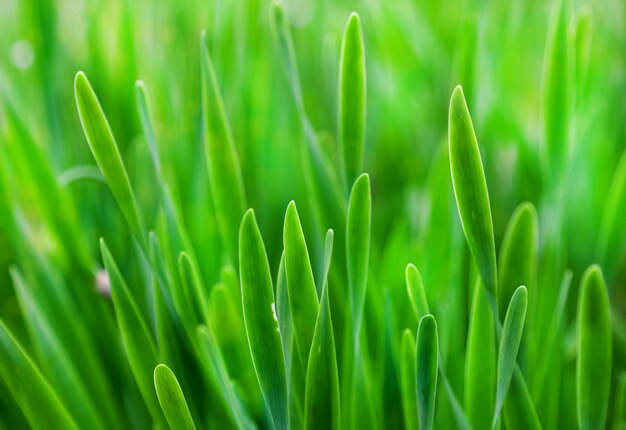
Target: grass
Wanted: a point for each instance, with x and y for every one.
(318, 215)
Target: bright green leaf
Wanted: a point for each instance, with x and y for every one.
(427, 356)
(172, 399)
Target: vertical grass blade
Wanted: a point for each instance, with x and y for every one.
(262, 328)
(171, 398)
(470, 190)
(518, 254)
(352, 98)
(427, 356)
(509, 345)
(105, 151)
(38, 401)
(408, 380)
(415, 289)
(222, 161)
(321, 406)
(136, 337)
(358, 244)
(593, 368)
(480, 363)
(300, 283)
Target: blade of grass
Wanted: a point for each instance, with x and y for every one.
(416, 292)
(171, 398)
(480, 363)
(593, 367)
(261, 323)
(225, 178)
(105, 151)
(352, 98)
(427, 356)
(37, 399)
(519, 410)
(300, 283)
(408, 379)
(509, 345)
(470, 190)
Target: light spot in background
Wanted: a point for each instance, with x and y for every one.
(300, 12)
(22, 54)
(103, 285)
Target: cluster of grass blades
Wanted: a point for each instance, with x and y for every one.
(311, 331)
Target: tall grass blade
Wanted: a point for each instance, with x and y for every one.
(408, 380)
(509, 345)
(470, 190)
(261, 322)
(427, 357)
(352, 98)
(593, 367)
(172, 399)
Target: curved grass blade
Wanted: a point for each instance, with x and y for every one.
(225, 177)
(518, 254)
(408, 380)
(509, 345)
(300, 283)
(105, 151)
(321, 405)
(593, 368)
(470, 190)
(136, 337)
(480, 364)
(38, 401)
(426, 356)
(358, 245)
(415, 289)
(261, 323)
(171, 398)
(352, 98)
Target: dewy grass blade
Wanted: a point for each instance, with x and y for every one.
(261, 322)
(225, 177)
(38, 401)
(172, 399)
(136, 337)
(408, 380)
(427, 357)
(509, 345)
(358, 245)
(322, 407)
(416, 292)
(593, 368)
(352, 98)
(105, 151)
(518, 254)
(480, 363)
(470, 190)
(300, 283)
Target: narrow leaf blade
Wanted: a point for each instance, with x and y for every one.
(171, 398)
(427, 356)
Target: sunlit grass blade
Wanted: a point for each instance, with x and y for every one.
(38, 401)
(105, 151)
(416, 292)
(225, 178)
(427, 358)
(470, 190)
(352, 98)
(136, 337)
(593, 368)
(300, 283)
(480, 362)
(322, 407)
(408, 380)
(358, 230)
(518, 255)
(509, 346)
(171, 398)
(261, 322)
(556, 93)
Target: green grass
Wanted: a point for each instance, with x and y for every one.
(370, 215)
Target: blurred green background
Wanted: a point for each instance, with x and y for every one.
(416, 53)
